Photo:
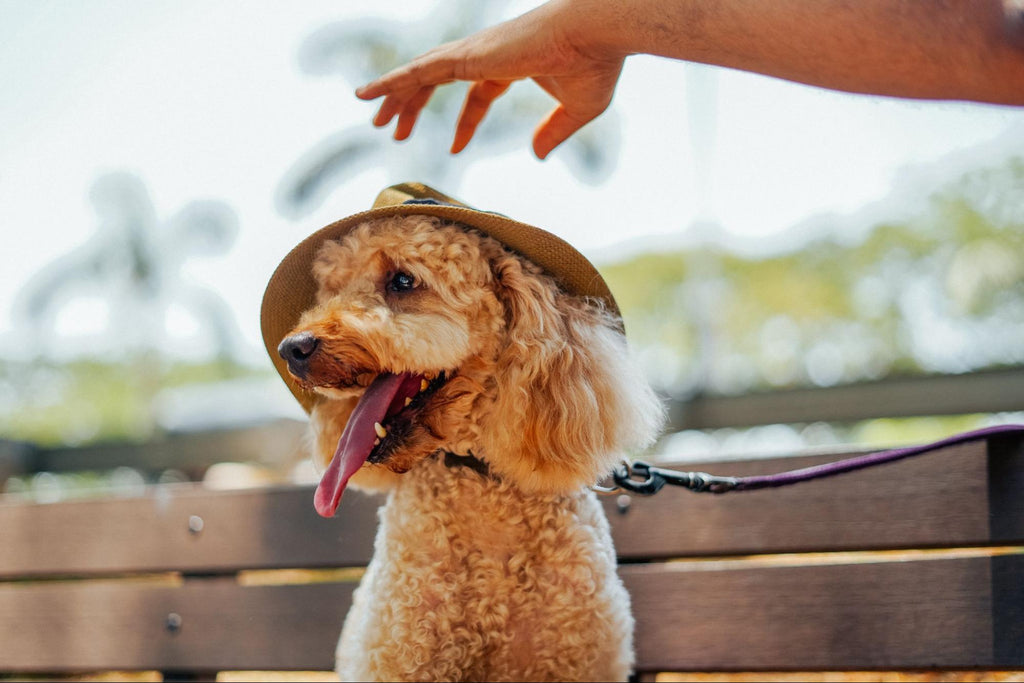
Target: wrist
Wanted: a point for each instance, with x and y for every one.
(595, 28)
(615, 29)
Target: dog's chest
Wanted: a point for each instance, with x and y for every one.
(459, 527)
(468, 577)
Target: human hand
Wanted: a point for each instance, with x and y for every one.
(544, 45)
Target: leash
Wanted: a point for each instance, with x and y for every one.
(644, 479)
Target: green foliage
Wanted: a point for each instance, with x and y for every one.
(88, 400)
(941, 292)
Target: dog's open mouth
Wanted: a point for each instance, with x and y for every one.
(374, 430)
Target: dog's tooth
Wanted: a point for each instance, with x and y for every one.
(408, 400)
(381, 432)
(376, 442)
(424, 384)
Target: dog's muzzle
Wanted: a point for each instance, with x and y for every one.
(296, 350)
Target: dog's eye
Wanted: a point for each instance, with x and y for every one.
(401, 282)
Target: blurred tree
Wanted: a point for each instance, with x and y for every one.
(131, 269)
(361, 50)
(942, 292)
(133, 263)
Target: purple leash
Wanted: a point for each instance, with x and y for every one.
(645, 479)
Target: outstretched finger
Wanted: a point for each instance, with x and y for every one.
(391, 105)
(429, 69)
(411, 112)
(478, 101)
(557, 127)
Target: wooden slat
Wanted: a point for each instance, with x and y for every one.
(276, 444)
(986, 391)
(81, 626)
(930, 613)
(937, 499)
(934, 613)
(256, 529)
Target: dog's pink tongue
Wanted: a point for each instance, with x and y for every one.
(356, 441)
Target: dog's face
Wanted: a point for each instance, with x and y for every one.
(428, 336)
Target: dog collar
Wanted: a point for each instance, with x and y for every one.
(469, 461)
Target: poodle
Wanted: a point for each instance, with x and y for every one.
(457, 375)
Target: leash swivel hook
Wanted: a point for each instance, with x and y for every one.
(645, 479)
(638, 477)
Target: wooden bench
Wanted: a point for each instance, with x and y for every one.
(913, 565)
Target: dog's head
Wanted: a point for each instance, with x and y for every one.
(429, 336)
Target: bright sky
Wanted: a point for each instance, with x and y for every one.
(206, 100)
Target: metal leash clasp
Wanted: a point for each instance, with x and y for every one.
(644, 479)
(639, 478)
(625, 477)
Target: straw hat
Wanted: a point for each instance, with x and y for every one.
(292, 290)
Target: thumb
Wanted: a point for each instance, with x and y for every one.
(557, 127)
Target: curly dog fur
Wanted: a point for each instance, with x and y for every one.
(507, 574)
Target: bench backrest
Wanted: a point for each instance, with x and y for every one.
(914, 564)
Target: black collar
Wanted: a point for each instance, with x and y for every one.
(468, 461)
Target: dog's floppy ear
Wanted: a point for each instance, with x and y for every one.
(568, 398)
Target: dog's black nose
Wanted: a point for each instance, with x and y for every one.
(297, 350)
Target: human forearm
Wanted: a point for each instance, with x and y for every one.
(940, 49)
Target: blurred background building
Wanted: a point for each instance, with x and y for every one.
(797, 268)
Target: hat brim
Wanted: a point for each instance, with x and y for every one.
(292, 289)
